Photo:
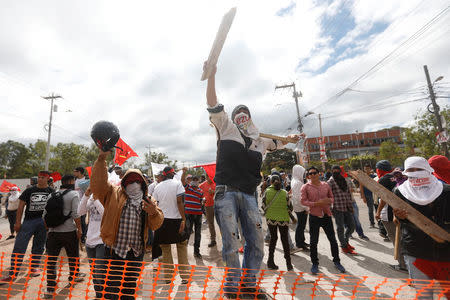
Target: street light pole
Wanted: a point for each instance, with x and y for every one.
(435, 108)
(47, 152)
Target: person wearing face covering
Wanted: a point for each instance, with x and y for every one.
(342, 209)
(240, 152)
(11, 209)
(128, 215)
(275, 201)
(425, 258)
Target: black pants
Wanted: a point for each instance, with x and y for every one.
(11, 219)
(315, 223)
(84, 228)
(126, 269)
(302, 217)
(194, 222)
(55, 242)
(284, 241)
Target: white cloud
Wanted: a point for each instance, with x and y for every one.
(138, 64)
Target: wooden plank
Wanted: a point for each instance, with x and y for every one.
(217, 46)
(415, 217)
(397, 241)
(279, 138)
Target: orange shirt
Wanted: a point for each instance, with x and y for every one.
(208, 192)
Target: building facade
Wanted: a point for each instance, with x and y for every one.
(344, 146)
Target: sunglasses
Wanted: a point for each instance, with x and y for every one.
(312, 173)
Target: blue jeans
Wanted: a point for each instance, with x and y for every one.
(419, 277)
(98, 266)
(370, 206)
(358, 226)
(194, 222)
(229, 206)
(344, 220)
(30, 228)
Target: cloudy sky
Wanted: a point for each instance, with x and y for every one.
(138, 64)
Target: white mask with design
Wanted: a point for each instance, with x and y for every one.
(246, 126)
(134, 193)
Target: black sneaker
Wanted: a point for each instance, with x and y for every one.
(197, 255)
(252, 293)
(212, 244)
(10, 237)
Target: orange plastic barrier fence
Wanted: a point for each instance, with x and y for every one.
(162, 281)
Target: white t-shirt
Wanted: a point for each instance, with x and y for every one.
(166, 193)
(96, 210)
(151, 187)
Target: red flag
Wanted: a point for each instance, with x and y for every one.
(123, 152)
(6, 186)
(89, 170)
(210, 170)
(56, 176)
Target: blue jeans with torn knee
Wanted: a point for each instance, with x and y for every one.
(229, 207)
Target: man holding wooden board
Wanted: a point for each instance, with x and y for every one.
(425, 258)
(240, 152)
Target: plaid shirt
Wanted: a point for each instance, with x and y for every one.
(129, 235)
(342, 200)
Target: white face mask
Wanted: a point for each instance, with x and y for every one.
(421, 187)
(134, 191)
(246, 126)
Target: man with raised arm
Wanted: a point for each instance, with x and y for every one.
(240, 152)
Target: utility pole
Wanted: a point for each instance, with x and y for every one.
(295, 95)
(435, 108)
(359, 151)
(299, 119)
(47, 154)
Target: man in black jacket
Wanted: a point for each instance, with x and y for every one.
(426, 259)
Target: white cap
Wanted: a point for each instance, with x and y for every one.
(417, 162)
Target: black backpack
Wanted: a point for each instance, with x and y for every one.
(54, 215)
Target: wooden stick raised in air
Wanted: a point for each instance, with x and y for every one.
(279, 138)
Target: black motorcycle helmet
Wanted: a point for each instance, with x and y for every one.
(105, 135)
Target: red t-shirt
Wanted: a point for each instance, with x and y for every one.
(208, 192)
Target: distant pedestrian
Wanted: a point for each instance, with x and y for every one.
(209, 187)
(300, 210)
(11, 209)
(367, 196)
(276, 211)
(342, 209)
(193, 198)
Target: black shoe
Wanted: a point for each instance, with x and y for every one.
(212, 244)
(289, 267)
(197, 255)
(252, 293)
(184, 281)
(10, 237)
(271, 265)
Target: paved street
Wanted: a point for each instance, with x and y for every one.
(373, 259)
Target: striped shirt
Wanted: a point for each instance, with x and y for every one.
(193, 200)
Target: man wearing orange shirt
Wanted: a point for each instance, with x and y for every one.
(208, 187)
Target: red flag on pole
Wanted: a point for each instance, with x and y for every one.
(6, 186)
(89, 170)
(123, 152)
(210, 169)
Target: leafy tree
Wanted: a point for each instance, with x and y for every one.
(13, 159)
(156, 157)
(66, 156)
(392, 152)
(421, 137)
(37, 158)
(283, 159)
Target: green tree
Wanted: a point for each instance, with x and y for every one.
(421, 137)
(66, 156)
(37, 157)
(390, 151)
(283, 159)
(13, 159)
(156, 157)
